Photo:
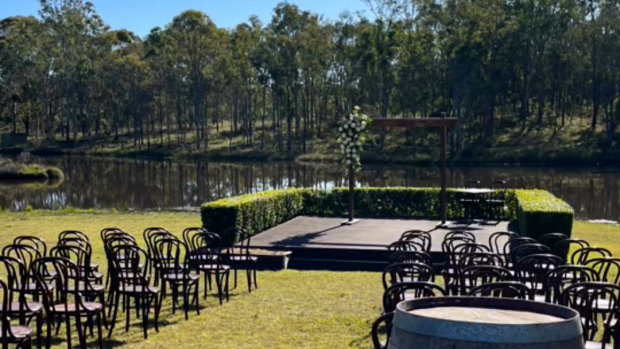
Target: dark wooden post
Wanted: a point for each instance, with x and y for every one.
(351, 193)
(444, 211)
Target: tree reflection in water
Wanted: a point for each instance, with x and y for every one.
(150, 184)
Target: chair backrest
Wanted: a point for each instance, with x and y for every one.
(468, 248)
(409, 290)
(563, 276)
(475, 275)
(420, 236)
(550, 239)
(206, 248)
(405, 245)
(382, 327)
(130, 266)
(562, 248)
(174, 252)
(405, 272)
(152, 235)
(73, 234)
(523, 250)
(499, 239)
(15, 276)
(582, 255)
(26, 254)
(598, 303)
(34, 241)
(81, 258)
(73, 241)
(532, 269)
(188, 235)
(64, 275)
(480, 258)
(607, 269)
(105, 232)
(7, 334)
(410, 257)
(448, 245)
(460, 234)
(516, 241)
(238, 237)
(503, 289)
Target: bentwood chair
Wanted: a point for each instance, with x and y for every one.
(503, 289)
(240, 257)
(18, 306)
(409, 290)
(19, 335)
(173, 256)
(406, 272)
(206, 257)
(381, 330)
(598, 303)
(66, 301)
(131, 280)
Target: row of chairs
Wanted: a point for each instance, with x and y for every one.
(64, 283)
(509, 266)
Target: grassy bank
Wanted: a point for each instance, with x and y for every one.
(11, 170)
(573, 144)
(291, 309)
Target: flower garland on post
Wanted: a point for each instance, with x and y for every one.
(352, 137)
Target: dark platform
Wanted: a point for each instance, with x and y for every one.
(324, 244)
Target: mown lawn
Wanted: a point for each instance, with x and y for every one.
(291, 309)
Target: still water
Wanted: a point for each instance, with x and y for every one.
(150, 184)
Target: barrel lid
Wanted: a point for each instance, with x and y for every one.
(461, 318)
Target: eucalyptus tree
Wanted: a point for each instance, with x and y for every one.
(195, 37)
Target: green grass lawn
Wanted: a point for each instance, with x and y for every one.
(291, 309)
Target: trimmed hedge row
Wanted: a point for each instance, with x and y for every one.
(536, 211)
(539, 212)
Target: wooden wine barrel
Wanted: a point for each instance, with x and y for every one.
(484, 323)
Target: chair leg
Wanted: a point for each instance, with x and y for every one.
(185, 291)
(68, 324)
(80, 331)
(145, 315)
(248, 273)
(48, 340)
(157, 310)
(99, 331)
(127, 311)
(39, 320)
(116, 304)
(255, 278)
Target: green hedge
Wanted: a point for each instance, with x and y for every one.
(536, 211)
(539, 212)
(254, 212)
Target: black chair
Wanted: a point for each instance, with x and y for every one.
(206, 256)
(405, 245)
(19, 335)
(550, 239)
(608, 268)
(406, 272)
(563, 276)
(382, 327)
(26, 255)
(66, 300)
(562, 248)
(409, 290)
(475, 275)
(598, 305)
(532, 270)
(582, 255)
(240, 256)
(410, 257)
(503, 289)
(421, 237)
(33, 241)
(499, 239)
(176, 273)
(527, 249)
(73, 234)
(18, 306)
(131, 279)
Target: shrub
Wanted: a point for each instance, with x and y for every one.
(539, 212)
(253, 212)
(536, 211)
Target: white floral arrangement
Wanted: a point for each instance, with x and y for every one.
(352, 137)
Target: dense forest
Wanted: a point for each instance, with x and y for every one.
(66, 76)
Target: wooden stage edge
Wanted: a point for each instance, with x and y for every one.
(325, 244)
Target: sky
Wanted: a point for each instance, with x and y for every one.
(140, 16)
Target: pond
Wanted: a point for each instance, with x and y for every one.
(104, 183)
